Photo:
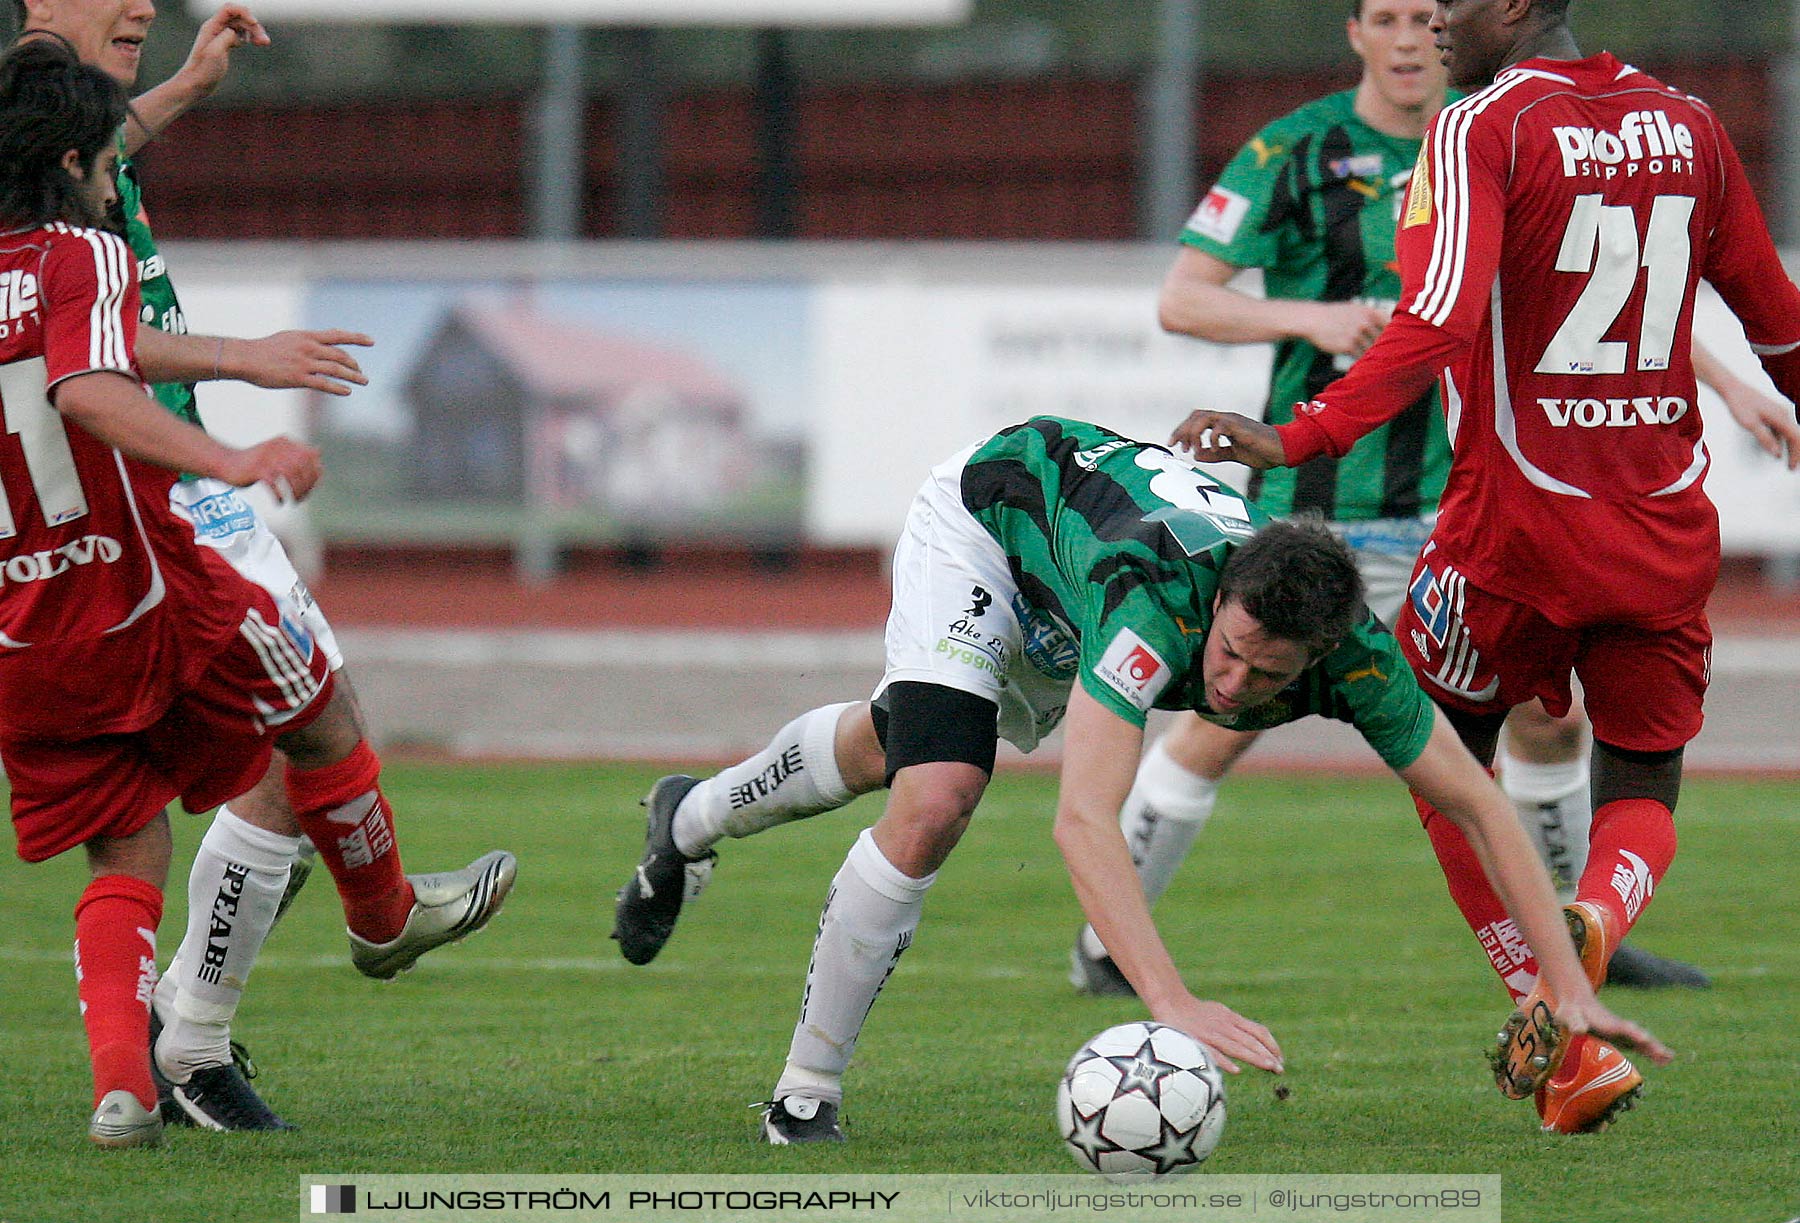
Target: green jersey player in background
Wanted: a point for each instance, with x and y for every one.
(1313, 201)
(247, 856)
(1059, 572)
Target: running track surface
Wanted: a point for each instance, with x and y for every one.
(695, 661)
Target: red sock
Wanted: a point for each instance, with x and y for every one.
(1630, 846)
(1506, 948)
(115, 970)
(1629, 850)
(342, 811)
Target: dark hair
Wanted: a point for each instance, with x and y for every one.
(50, 102)
(1298, 581)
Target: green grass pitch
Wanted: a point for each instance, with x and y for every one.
(1312, 904)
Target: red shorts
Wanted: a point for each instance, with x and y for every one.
(1480, 653)
(218, 704)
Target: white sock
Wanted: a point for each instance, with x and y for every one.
(1165, 811)
(234, 888)
(869, 919)
(794, 777)
(1554, 805)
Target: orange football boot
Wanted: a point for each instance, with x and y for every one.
(1594, 941)
(1595, 1085)
(1531, 1046)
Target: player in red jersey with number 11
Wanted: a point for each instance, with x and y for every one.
(1558, 223)
(122, 643)
(136, 665)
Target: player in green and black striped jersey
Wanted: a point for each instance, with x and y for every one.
(1313, 201)
(1117, 549)
(1059, 573)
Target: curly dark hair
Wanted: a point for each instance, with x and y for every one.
(1298, 580)
(50, 102)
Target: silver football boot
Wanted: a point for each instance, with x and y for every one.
(121, 1121)
(447, 906)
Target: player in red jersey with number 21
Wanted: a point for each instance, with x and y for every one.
(1558, 223)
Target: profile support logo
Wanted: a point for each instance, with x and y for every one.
(333, 1199)
(1645, 139)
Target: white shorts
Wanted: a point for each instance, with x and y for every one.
(957, 619)
(224, 522)
(1386, 551)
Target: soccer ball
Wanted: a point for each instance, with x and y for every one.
(1140, 1102)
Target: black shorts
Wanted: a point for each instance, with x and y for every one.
(920, 723)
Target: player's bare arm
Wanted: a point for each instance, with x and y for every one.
(1768, 420)
(232, 26)
(1098, 766)
(286, 360)
(1197, 300)
(1227, 437)
(1447, 777)
(114, 409)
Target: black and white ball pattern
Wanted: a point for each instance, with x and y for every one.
(1141, 1101)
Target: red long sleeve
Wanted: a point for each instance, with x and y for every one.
(1398, 369)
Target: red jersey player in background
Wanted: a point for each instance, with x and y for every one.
(1557, 225)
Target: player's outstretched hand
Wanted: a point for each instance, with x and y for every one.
(1343, 328)
(1596, 1018)
(231, 27)
(1769, 421)
(1226, 437)
(288, 467)
(1225, 1032)
(315, 360)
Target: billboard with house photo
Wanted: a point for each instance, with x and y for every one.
(598, 412)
